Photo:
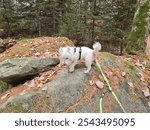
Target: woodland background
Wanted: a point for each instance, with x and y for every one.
(118, 24)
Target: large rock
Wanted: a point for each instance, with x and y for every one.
(57, 94)
(13, 70)
(72, 92)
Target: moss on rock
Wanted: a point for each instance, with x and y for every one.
(134, 72)
(17, 108)
(110, 60)
(4, 86)
(39, 103)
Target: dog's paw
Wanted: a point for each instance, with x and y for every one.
(86, 72)
(71, 70)
(60, 65)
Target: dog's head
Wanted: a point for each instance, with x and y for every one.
(65, 55)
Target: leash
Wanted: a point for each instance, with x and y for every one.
(109, 90)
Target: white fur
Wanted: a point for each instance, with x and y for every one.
(69, 57)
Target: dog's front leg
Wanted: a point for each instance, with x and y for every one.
(61, 62)
(71, 67)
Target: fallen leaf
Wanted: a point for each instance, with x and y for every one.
(143, 67)
(36, 44)
(123, 74)
(91, 82)
(139, 64)
(47, 53)
(130, 84)
(144, 62)
(4, 96)
(142, 77)
(24, 44)
(37, 54)
(39, 83)
(149, 104)
(32, 49)
(42, 78)
(146, 92)
(109, 73)
(16, 55)
(99, 84)
(31, 84)
(128, 59)
(100, 78)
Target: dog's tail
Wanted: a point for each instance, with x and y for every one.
(97, 47)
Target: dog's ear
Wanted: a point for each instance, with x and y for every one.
(68, 48)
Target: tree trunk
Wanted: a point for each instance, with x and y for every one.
(7, 21)
(54, 22)
(147, 50)
(93, 25)
(39, 27)
(137, 36)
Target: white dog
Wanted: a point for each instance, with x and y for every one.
(70, 56)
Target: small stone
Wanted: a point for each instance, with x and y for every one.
(99, 84)
(37, 54)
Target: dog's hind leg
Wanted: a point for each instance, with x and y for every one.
(88, 69)
(88, 65)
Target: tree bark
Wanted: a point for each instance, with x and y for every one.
(147, 50)
(138, 34)
(93, 25)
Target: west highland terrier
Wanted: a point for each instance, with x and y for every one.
(70, 56)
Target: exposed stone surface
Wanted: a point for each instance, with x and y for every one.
(72, 92)
(13, 70)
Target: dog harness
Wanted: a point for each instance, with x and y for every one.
(79, 52)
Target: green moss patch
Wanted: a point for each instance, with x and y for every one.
(137, 36)
(110, 60)
(4, 86)
(40, 103)
(133, 71)
(17, 108)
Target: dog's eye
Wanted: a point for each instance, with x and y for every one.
(67, 58)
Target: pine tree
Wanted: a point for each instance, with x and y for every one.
(7, 15)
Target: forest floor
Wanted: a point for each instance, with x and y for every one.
(48, 47)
